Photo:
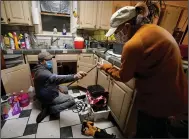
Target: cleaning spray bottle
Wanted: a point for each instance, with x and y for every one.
(11, 41)
(27, 41)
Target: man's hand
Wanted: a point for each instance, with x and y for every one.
(80, 75)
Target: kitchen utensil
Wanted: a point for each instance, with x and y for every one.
(79, 43)
(117, 48)
(87, 72)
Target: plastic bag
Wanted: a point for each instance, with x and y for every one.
(31, 92)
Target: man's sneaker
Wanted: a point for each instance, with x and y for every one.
(42, 115)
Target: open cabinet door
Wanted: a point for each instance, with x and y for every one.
(90, 79)
(16, 78)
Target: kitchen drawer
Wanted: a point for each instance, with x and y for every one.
(32, 58)
(13, 60)
(66, 57)
(86, 58)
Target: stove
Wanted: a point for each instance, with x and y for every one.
(112, 54)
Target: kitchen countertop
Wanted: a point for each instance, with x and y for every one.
(99, 52)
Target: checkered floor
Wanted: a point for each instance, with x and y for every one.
(68, 125)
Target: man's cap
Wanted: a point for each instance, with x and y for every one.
(123, 15)
(45, 56)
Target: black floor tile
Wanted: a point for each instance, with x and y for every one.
(66, 132)
(30, 129)
(75, 90)
(110, 117)
(25, 113)
(55, 117)
(2, 123)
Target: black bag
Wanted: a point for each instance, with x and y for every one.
(96, 90)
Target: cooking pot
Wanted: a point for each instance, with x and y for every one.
(117, 48)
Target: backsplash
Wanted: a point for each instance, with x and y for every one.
(16, 28)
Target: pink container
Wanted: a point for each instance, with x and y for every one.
(24, 99)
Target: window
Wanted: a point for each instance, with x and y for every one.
(55, 14)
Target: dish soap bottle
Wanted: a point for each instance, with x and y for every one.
(27, 41)
(54, 30)
(64, 30)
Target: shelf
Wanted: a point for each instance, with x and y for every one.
(55, 14)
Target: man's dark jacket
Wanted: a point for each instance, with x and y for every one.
(46, 83)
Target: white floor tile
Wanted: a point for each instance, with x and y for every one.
(33, 105)
(76, 131)
(82, 93)
(115, 131)
(69, 118)
(28, 136)
(70, 92)
(14, 128)
(103, 124)
(75, 94)
(33, 116)
(49, 129)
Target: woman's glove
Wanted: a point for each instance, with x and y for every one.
(104, 67)
(112, 70)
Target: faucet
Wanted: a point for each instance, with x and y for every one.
(52, 41)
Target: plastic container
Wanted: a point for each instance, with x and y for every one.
(79, 43)
(100, 114)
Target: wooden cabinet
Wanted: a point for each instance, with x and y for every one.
(104, 14)
(16, 78)
(90, 79)
(103, 80)
(18, 12)
(3, 14)
(120, 103)
(116, 98)
(171, 14)
(94, 14)
(88, 58)
(87, 14)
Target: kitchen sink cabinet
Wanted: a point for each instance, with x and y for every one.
(18, 12)
(116, 98)
(87, 58)
(3, 13)
(16, 78)
(90, 79)
(103, 80)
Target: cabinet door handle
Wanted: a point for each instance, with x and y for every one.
(2, 19)
(9, 19)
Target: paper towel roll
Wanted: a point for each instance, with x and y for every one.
(35, 15)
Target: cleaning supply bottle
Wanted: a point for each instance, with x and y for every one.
(64, 30)
(27, 41)
(6, 41)
(11, 41)
(15, 41)
(54, 30)
(22, 41)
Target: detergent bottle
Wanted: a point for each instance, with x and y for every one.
(15, 41)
